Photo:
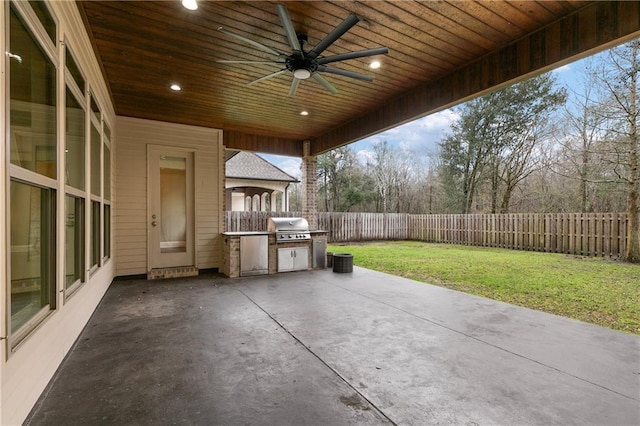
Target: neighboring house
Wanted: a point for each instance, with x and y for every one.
(254, 184)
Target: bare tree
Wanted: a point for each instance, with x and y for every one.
(620, 77)
(577, 159)
(392, 172)
(336, 175)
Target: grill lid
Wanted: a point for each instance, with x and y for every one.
(288, 224)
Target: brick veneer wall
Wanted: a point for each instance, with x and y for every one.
(231, 256)
(309, 187)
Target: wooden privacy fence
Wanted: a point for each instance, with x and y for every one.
(252, 221)
(585, 234)
(345, 227)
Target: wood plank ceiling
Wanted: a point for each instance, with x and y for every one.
(439, 54)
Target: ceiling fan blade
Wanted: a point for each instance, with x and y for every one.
(354, 55)
(251, 42)
(337, 32)
(250, 62)
(344, 73)
(274, 74)
(294, 86)
(320, 79)
(289, 30)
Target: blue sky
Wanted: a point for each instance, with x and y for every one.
(419, 137)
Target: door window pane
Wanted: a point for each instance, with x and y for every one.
(95, 160)
(32, 91)
(173, 204)
(74, 242)
(95, 233)
(32, 251)
(75, 142)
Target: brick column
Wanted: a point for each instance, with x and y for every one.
(309, 186)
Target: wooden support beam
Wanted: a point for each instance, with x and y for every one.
(259, 143)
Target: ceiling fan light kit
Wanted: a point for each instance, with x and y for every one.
(305, 64)
(301, 73)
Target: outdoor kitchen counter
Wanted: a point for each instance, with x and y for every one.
(231, 249)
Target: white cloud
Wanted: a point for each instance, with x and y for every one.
(563, 69)
(289, 165)
(420, 136)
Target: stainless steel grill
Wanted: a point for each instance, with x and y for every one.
(289, 229)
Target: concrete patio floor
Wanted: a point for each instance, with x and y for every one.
(320, 348)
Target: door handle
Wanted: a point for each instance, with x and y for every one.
(154, 223)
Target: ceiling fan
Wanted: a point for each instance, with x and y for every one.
(304, 64)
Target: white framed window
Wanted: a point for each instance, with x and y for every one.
(74, 243)
(95, 184)
(95, 234)
(33, 169)
(106, 192)
(58, 160)
(75, 175)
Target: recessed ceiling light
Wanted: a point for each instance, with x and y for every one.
(190, 4)
(374, 65)
(176, 87)
(304, 112)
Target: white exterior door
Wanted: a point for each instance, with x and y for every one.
(170, 224)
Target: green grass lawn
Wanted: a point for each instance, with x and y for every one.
(594, 290)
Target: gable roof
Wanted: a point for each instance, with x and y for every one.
(247, 165)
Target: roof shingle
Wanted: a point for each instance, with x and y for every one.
(247, 165)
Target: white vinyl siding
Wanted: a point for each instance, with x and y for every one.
(130, 218)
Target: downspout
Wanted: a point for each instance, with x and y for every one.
(285, 198)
